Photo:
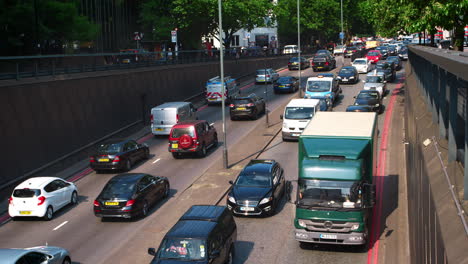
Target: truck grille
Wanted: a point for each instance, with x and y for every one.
(328, 226)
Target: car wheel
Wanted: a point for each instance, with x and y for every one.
(167, 189)
(202, 152)
(49, 213)
(256, 115)
(66, 261)
(74, 198)
(144, 210)
(233, 118)
(176, 155)
(128, 165)
(147, 154)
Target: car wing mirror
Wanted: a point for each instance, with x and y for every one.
(212, 124)
(152, 251)
(231, 182)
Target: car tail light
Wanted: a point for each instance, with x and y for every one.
(96, 203)
(10, 200)
(130, 203)
(116, 159)
(41, 200)
(231, 105)
(289, 63)
(268, 76)
(151, 118)
(313, 64)
(250, 104)
(326, 63)
(177, 118)
(91, 159)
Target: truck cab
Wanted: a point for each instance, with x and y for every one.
(337, 161)
(297, 114)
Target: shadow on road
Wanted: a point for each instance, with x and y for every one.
(243, 250)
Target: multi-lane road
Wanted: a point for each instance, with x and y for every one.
(261, 240)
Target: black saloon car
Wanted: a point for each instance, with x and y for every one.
(397, 61)
(118, 154)
(369, 98)
(348, 74)
(293, 63)
(258, 189)
(286, 84)
(359, 108)
(250, 106)
(323, 62)
(129, 195)
(387, 69)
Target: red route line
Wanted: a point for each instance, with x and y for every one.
(373, 253)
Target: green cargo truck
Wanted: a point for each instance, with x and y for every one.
(337, 161)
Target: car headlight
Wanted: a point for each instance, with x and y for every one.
(328, 95)
(355, 227)
(377, 105)
(302, 223)
(307, 96)
(352, 77)
(338, 77)
(266, 200)
(356, 103)
(231, 199)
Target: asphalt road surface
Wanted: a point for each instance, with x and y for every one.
(261, 240)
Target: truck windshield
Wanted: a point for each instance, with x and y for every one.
(318, 86)
(299, 113)
(183, 249)
(329, 194)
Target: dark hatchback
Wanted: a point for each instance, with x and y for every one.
(398, 64)
(388, 70)
(323, 62)
(348, 74)
(118, 154)
(293, 63)
(383, 50)
(250, 106)
(286, 84)
(204, 234)
(369, 98)
(359, 108)
(258, 189)
(129, 195)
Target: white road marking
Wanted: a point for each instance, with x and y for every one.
(156, 161)
(62, 224)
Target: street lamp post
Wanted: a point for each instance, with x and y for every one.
(299, 47)
(223, 96)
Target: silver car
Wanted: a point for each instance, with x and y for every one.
(35, 255)
(266, 76)
(376, 81)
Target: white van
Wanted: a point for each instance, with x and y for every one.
(164, 116)
(290, 49)
(214, 89)
(297, 115)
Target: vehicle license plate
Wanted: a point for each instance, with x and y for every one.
(295, 135)
(174, 146)
(241, 108)
(326, 236)
(248, 209)
(319, 67)
(345, 80)
(25, 212)
(126, 61)
(112, 203)
(103, 160)
(211, 99)
(159, 129)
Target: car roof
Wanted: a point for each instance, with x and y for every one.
(357, 107)
(171, 105)
(128, 177)
(287, 77)
(348, 67)
(188, 123)
(11, 255)
(191, 229)
(368, 91)
(324, 78)
(303, 102)
(36, 182)
(116, 141)
(260, 166)
(203, 213)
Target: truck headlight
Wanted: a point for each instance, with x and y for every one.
(266, 200)
(302, 223)
(231, 199)
(355, 227)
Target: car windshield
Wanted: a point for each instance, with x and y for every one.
(367, 96)
(284, 80)
(183, 249)
(118, 188)
(359, 62)
(177, 132)
(26, 193)
(330, 194)
(346, 71)
(318, 86)
(374, 79)
(373, 53)
(110, 148)
(253, 180)
(299, 113)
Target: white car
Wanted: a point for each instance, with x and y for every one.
(340, 49)
(41, 197)
(362, 65)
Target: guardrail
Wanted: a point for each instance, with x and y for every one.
(13, 67)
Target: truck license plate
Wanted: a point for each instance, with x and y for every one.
(248, 209)
(327, 236)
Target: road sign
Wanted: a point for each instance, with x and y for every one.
(341, 35)
(247, 35)
(174, 36)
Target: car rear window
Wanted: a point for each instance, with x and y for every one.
(319, 59)
(242, 101)
(373, 54)
(110, 148)
(26, 193)
(177, 132)
(284, 80)
(262, 72)
(294, 59)
(118, 189)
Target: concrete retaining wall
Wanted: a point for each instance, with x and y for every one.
(42, 120)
